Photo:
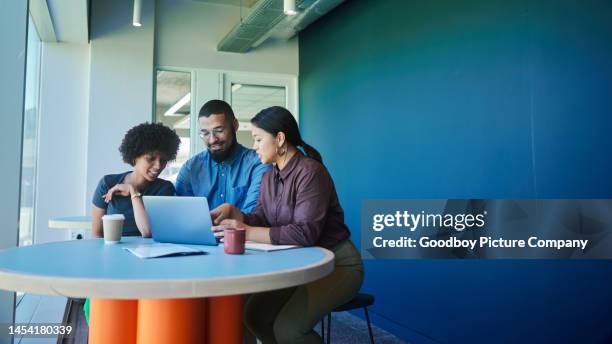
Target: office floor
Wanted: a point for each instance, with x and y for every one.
(33, 309)
(350, 329)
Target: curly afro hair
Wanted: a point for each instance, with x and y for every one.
(147, 138)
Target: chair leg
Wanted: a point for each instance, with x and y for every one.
(329, 328)
(369, 325)
(323, 329)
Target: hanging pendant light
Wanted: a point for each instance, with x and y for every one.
(289, 7)
(137, 11)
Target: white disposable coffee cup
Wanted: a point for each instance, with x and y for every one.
(112, 225)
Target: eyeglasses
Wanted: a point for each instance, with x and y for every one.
(217, 133)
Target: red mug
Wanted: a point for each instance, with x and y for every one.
(233, 240)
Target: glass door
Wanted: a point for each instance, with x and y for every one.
(249, 93)
(248, 100)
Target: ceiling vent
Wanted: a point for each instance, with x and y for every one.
(267, 19)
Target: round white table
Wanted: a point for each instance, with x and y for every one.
(76, 225)
(70, 222)
(161, 299)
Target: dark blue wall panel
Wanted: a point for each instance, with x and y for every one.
(468, 99)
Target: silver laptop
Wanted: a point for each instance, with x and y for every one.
(180, 220)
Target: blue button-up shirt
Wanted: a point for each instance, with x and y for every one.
(235, 180)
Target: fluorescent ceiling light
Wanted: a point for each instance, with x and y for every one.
(137, 11)
(174, 108)
(289, 7)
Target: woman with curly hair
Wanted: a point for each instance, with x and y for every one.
(147, 147)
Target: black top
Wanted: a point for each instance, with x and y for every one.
(123, 204)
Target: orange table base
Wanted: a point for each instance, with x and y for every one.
(155, 321)
(112, 321)
(224, 323)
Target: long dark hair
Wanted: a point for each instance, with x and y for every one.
(276, 119)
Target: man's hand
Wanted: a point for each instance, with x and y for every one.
(228, 224)
(223, 212)
(119, 189)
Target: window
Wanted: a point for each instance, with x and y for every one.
(181, 92)
(248, 100)
(249, 93)
(173, 109)
(30, 134)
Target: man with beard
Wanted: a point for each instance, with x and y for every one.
(225, 172)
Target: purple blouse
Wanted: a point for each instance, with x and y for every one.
(300, 205)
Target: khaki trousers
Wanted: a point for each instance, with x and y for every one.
(289, 315)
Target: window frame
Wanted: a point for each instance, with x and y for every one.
(223, 79)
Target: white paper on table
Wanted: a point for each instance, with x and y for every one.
(155, 250)
(256, 246)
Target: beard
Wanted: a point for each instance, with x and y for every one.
(222, 154)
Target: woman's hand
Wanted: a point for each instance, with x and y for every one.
(119, 189)
(225, 211)
(229, 224)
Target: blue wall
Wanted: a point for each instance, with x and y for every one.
(468, 99)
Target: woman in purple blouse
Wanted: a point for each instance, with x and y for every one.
(297, 205)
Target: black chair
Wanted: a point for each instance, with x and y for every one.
(359, 301)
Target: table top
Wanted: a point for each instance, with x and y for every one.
(70, 222)
(90, 268)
